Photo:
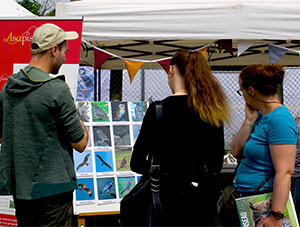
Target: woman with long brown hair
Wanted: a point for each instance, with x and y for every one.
(191, 144)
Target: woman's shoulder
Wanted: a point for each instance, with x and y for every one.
(283, 112)
(281, 119)
(176, 103)
(175, 99)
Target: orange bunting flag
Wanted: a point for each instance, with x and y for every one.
(203, 52)
(132, 68)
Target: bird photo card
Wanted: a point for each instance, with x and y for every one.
(136, 131)
(85, 191)
(89, 143)
(138, 110)
(121, 135)
(125, 184)
(123, 156)
(104, 161)
(83, 163)
(101, 136)
(106, 188)
(83, 108)
(100, 111)
(119, 111)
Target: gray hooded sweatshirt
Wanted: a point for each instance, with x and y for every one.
(38, 123)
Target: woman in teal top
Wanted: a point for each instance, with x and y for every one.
(267, 139)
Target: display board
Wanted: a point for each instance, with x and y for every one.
(15, 40)
(103, 169)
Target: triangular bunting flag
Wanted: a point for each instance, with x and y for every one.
(203, 52)
(132, 68)
(243, 45)
(276, 53)
(99, 58)
(226, 44)
(165, 64)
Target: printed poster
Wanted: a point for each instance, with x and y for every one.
(85, 84)
(253, 210)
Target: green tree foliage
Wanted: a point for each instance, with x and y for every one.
(33, 6)
(52, 13)
(39, 7)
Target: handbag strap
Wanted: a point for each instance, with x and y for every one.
(158, 115)
(262, 184)
(155, 167)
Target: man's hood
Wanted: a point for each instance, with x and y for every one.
(16, 86)
(26, 80)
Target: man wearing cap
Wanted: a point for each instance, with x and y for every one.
(39, 127)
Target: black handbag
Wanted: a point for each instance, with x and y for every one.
(226, 205)
(143, 202)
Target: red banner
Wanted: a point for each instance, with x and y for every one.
(15, 41)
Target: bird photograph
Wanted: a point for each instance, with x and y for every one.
(122, 163)
(138, 110)
(103, 162)
(106, 188)
(84, 162)
(89, 144)
(120, 112)
(85, 190)
(83, 111)
(136, 131)
(98, 113)
(121, 135)
(125, 184)
(122, 158)
(82, 187)
(101, 136)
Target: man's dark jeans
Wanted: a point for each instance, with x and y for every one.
(49, 211)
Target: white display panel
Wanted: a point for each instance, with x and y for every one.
(103, 171)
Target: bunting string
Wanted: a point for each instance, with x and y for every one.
(162, 59)
(132, 59)
(133, 65)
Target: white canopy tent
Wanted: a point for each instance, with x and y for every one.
(10, 8)
(156, 29)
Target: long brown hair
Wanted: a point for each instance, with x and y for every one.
(205, 94)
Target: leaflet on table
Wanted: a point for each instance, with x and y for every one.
(252, 210)
(7, 205)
